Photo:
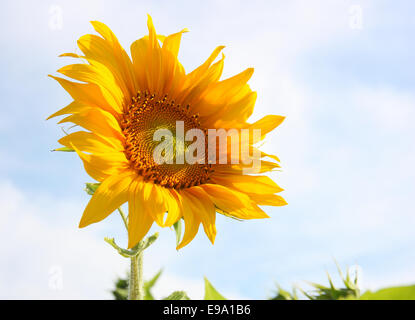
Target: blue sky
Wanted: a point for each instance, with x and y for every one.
(346, 146)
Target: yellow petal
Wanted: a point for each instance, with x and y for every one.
(195, 93)
(249, 184)
(268, 200)
(233, 203)
(109, 52)
(206, 211)
(155, 75)
(172, 42)
(139, 221)
(153, 202)
(139, 54)
(237, 169)
(157, 70)
(228, 89)
(90, 142)
(101, 166)
(98, 121)
(263, 155)
(191, 222)
(110, 195)
(124, 64)
(202, 69)
(99, 75)
(235, 114)
(152, 35)
(73, 107)
(171, 201)
(225, 92)
(70, 55)
(87, 93)
(173, 71)
(266, 125)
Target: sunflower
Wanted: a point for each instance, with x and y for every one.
(121, 102)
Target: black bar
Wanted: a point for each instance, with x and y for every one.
(201, 309)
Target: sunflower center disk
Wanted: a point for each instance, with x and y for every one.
(148, 115)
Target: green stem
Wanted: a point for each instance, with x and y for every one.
(136, 286)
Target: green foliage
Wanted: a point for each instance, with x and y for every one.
(177, 295)
(148, 285)
(121, 289)
(349, 290)
(392, 293)
(211, 293)
(285, 295)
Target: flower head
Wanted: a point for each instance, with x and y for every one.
(124, 103)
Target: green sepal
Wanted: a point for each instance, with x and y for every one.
(64, 149)
(91, 187)
(178, 229)
(129, 253)
(124, 252)
(148, 242)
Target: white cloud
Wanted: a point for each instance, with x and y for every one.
(40, 240)
(390, 109)
(47, 257)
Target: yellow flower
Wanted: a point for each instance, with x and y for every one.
(123, 101)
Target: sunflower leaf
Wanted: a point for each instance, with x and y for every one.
(392, 293)
(211, 293)
(148, 285)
